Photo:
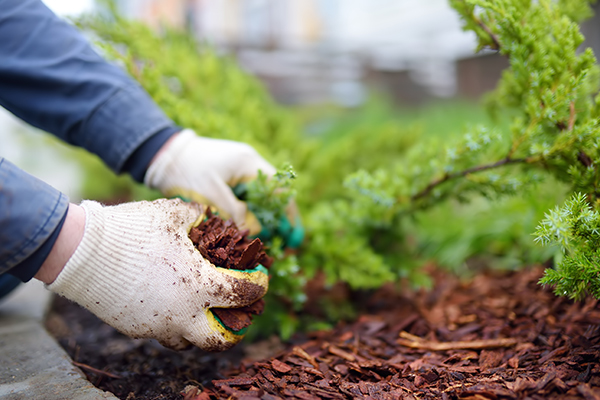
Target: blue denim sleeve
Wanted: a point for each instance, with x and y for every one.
(52, 78)
(30, 212)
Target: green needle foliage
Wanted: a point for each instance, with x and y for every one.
(268, 198)
(364, 186)
(553, 88)
(575, 229)
(549, 91)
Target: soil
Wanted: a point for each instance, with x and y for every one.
(498, 336)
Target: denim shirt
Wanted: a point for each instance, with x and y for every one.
(52, 78)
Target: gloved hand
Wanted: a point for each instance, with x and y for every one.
(204, 170)
(137, 270)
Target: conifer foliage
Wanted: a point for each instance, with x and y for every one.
(575, 228)
(553, 89)
(356, 192)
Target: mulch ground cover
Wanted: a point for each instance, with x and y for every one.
(498, 336)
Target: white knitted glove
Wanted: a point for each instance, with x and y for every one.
(204, 170)
(137, 270)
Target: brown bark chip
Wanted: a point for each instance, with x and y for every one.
(224, 245)
(239, 318)
(280, 366)
(500, 336)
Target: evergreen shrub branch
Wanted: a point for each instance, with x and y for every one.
(549, 89)
(360, 189)
(575, 229)
(554, 88)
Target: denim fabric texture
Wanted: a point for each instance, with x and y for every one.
(52, 78)
(8, 283)
(30, 211)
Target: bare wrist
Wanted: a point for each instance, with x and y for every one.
(68, 239)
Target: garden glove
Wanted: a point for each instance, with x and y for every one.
(137, 270)
(204, 170)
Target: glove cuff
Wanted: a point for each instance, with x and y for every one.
(159, 171)
(97, 274)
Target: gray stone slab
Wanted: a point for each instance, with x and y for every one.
(32, 364)
(29, 300)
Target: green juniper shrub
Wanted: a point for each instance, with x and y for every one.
(379, 195)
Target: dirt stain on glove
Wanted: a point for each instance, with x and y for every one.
(224, 245)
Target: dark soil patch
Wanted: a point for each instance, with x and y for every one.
(144, 367)
(496, 337)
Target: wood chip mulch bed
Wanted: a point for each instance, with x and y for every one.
(499, 336)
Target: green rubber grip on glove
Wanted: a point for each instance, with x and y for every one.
(241, 332)
(240, 190)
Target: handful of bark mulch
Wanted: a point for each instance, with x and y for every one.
(224, 245)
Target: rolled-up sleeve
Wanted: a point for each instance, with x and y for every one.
(52, 78)
(30, 211)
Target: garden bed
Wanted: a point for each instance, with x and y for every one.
(498, 336)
